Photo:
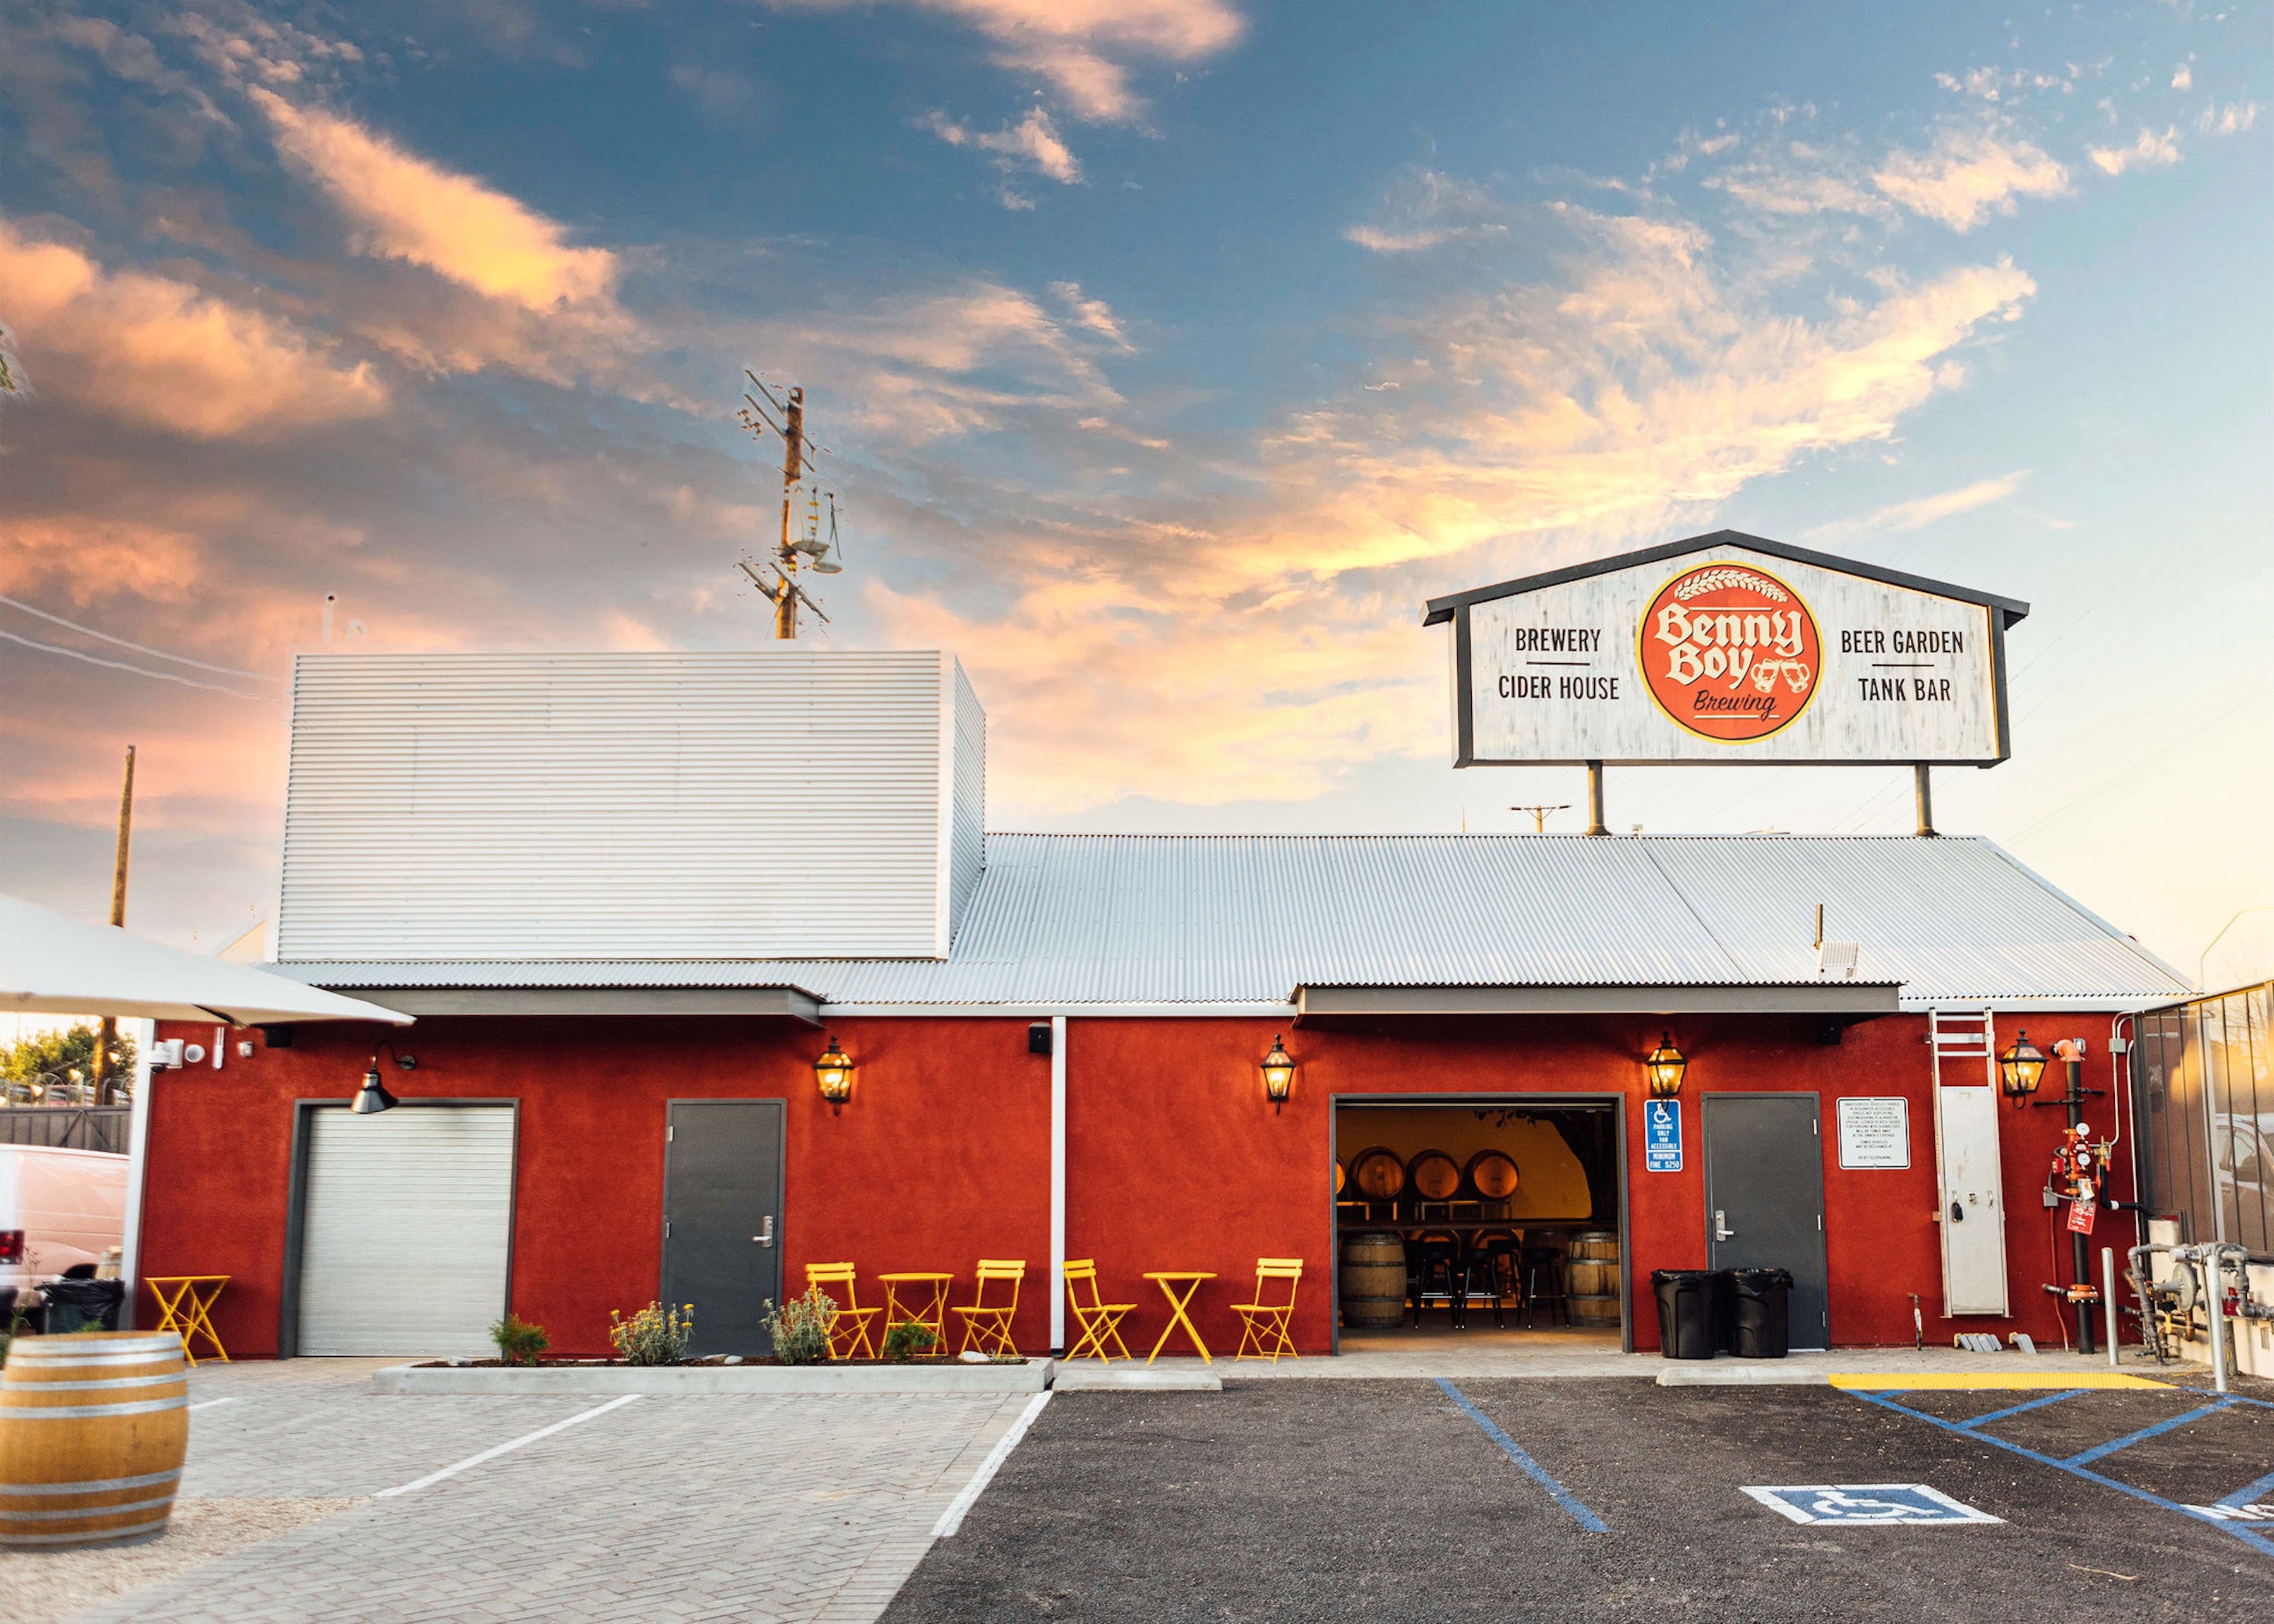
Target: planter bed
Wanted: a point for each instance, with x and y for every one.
(609, 1378)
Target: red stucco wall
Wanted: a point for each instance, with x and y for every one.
(1176, 1160)
(932, 1165)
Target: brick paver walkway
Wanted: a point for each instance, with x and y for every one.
(682, 1509)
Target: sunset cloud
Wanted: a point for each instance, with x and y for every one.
(2151, 151)
(405, 207)
(1920, 512)
(1082, 48)
(158, 350)
(1032, 145)
(1969, 175)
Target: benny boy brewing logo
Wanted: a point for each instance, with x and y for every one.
(1729, 653)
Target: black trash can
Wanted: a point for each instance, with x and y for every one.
(1759, 1312)
(83, 1304)
(1689, 1311)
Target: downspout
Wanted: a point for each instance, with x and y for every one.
(138, 1164)
(1058, 1182)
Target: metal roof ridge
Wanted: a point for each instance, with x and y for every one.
(2123, 939)
(1658, 869)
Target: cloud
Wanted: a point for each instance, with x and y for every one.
(1425, 209)
(1534, 422)
(2151, 151)
(1923, 511)
(1082, 48)
(156, 351)
(1969, 175)
(1032, 145)
(2232, 119)
(405, 208)
(1092, 315)
(2183, 78)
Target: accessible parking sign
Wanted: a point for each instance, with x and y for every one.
(1661, 1135)
(1863, 1505)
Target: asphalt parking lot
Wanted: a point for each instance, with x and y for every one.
(1357, 1500)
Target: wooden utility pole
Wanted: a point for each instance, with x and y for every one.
(108, 1036)
(1540, 816)
(793, 472)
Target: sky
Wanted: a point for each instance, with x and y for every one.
(1168, 354)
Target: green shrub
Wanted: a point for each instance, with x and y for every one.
(654, 1336)
(518, 1341)
(799, 1328)
(906, 1341)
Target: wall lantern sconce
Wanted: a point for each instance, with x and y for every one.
(1278, 1074)
(373, 1097)
(834, 1072)
(2020, 1069)
(1664, 1066)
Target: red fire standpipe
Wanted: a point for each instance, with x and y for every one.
(2076, 1172)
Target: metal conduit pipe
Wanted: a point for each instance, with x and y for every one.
(2212, 1256)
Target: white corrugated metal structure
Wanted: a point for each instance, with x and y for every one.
(783, 804)
(1240, 921)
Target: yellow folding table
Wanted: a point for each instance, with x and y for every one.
(1169, 1280)
(183, 1303)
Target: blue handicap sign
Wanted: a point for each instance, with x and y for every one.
(1868, 1504)
(1661, 1135)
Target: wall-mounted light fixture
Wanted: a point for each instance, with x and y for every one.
(834, 1072)
(373, 1097)
(1664, 1066)
(1278, 1074)
(2020, 1069)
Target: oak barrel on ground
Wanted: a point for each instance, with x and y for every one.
(1492, 1174)
(93, 1428)
(1432, 1175)
(1372, 1281)
(1591, 1266)
(1377, 1174)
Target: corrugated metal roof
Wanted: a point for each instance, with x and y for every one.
(1223, 919)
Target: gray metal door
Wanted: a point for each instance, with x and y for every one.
(1764, 1197)
(722, 1219)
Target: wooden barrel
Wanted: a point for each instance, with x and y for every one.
(1492, 1174)
(1377, 1174)
(1372, 1279)
(1432, 1175)
(1592, 1270)
(94, 1427)
(1339, 1178)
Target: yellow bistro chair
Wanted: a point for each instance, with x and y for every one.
(988, 1325)
(1098, 1321)
(849, 1327)
(1264, 1326)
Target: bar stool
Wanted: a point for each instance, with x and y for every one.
(1485, 1254)
(1543, 1282)
(1431, 1264)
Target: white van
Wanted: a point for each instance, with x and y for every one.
(58, 1209)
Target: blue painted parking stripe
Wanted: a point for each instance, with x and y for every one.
(2035, 1403)
(2086, 1457)
(2249, 1536)
(2250, 1495)
(1538, 1473)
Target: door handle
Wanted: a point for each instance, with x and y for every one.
(765, 1235)
(1957, 1213)
(1722, 1230)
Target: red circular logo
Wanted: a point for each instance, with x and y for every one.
(1729, 652)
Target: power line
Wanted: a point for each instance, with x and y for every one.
(2066, 808)
(181, 660)
(162, 676)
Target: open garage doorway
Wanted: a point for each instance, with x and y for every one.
(1498, 1221)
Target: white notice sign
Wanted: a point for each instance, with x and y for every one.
(1875, 1132)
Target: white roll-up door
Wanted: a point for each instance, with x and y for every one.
(406, 1225)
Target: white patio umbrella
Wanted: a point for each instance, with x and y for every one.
(51, 964)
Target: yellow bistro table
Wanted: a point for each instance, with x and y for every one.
(926, 1304)
(184, 1302)
(1169, 1280)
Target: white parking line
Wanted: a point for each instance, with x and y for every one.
(504, 1448)
(952, 1519)
(209, 1403)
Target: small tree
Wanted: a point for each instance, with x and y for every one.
(57, 1068)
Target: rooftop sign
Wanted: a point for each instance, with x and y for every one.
(1728, 648)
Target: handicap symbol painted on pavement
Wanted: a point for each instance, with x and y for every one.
(1868, 1504)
